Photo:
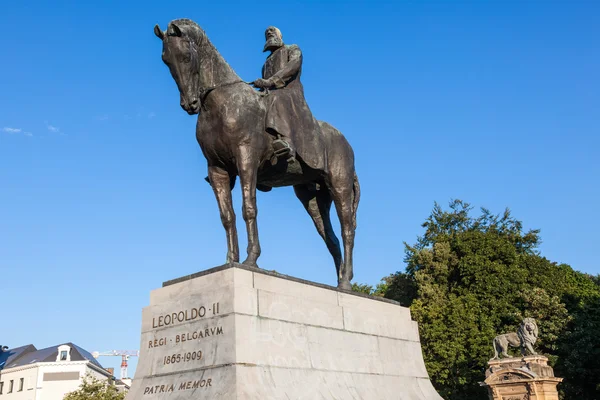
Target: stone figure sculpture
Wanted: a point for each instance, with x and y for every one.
(524, 338)
(238, 130)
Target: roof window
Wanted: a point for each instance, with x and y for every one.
(64, 353)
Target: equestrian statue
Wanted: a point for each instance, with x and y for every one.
(267, 137)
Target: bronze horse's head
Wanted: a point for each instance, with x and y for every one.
(180, 53)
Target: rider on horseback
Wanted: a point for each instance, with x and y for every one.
(288, 118)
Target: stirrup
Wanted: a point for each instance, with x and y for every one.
(284, 150)
(274, 160)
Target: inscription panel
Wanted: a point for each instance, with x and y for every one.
(182, 316)
(218, 383)
(198, 307)
(188, 346)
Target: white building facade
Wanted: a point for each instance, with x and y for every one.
(48, 374)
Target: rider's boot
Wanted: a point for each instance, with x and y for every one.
(282, 148)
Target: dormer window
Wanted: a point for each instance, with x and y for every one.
(64, 353)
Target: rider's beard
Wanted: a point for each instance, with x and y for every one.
(273, 44)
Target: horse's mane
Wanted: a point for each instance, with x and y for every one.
(188, 23)
(185, 21)
(199, 37)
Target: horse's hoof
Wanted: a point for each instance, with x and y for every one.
(345, 285)
(251, 263)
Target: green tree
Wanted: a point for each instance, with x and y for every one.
(363, 288)
(379, 290)
(579, 353)
(470, 278)
(94, 389)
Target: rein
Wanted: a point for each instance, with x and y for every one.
(204, 92)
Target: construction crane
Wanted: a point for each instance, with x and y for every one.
(124, 354)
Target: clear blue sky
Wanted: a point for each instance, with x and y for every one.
(103, 197)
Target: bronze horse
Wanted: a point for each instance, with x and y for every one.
(231, 133)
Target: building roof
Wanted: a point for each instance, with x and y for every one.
(119, 382)
(85, 355)
(19, 357)
(9, 356)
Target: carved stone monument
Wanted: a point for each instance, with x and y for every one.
(526, 378)
(238, 332)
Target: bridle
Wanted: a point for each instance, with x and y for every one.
(203, 92)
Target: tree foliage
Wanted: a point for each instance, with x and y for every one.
(470, 278)
(94, 389)
(579, 352)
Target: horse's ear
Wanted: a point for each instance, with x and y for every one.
(175, 31)
(158, 32)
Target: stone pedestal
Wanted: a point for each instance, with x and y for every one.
(234, 332)
(527, 378)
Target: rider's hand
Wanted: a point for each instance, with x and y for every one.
(262, 83)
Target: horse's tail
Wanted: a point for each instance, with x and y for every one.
(356, 188)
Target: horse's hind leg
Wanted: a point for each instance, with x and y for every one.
(318, 205)
(221, 182)
(342, 191)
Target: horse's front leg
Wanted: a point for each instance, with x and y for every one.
(220, 180)
(248, 170)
